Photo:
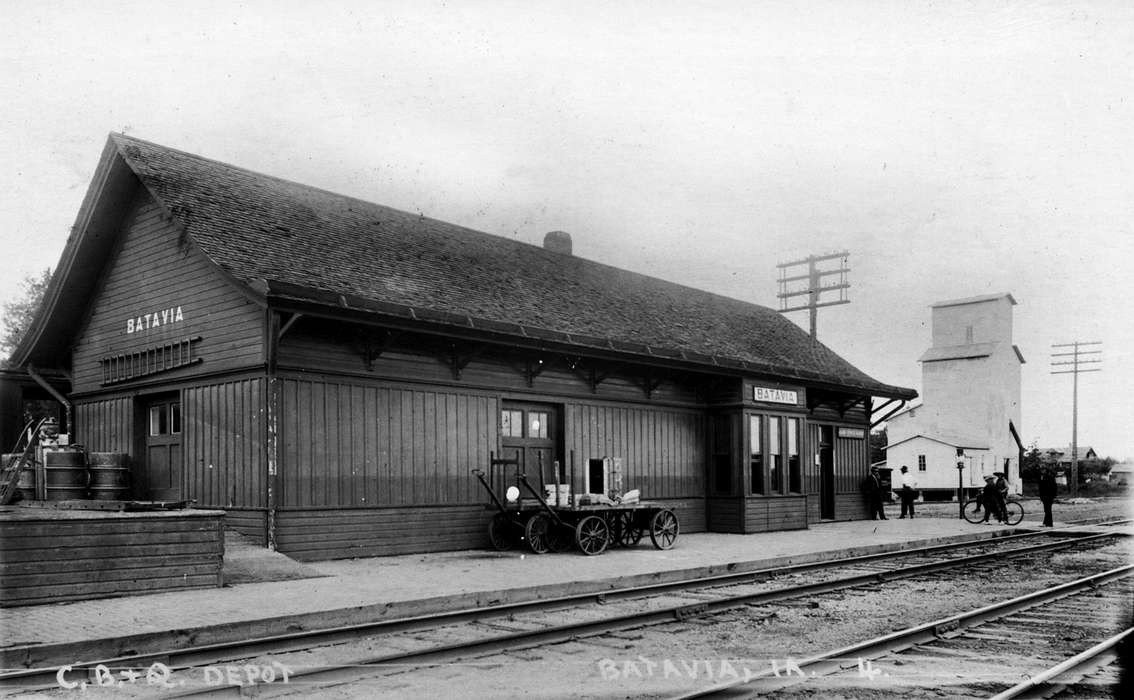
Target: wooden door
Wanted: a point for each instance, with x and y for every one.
(532, 434)
(163, 467)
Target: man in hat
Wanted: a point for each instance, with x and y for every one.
(907, 493)
(873, 487)
(990, 496)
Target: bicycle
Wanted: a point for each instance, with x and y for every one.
(974, 511)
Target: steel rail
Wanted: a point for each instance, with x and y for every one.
(1085, 662)
(294, 641)
(851, 656)
(337, 674)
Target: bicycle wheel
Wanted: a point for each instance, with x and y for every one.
(973, 511)
(1015, 512)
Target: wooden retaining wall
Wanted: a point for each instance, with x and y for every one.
(50, 556)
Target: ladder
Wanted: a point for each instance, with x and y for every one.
(24, 455)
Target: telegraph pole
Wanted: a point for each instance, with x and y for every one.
(1075, 361)
(815, 286)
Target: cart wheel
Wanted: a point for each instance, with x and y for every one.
(629, 534)
(537, 530)
(625, 532)
(502, 532)
(561, 537)
(663, 529)
(592, 535)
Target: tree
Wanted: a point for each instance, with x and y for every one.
(19, 312)
(878, 442)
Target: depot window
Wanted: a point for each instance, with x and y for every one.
(774, 464)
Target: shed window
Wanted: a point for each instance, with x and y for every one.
(537, 424)
(921, 463)
(512, 423)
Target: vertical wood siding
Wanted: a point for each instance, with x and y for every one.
(663, 451)
(852, 459)
(154, 269)
(222, 436)
(105, 425)
(345, 444)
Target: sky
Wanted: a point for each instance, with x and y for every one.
(955, 149)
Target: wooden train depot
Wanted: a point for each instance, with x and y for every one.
(330, 372)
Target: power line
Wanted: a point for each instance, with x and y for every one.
(815, 286)
(1075, 370)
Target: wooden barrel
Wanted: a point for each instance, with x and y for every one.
(110, 475)
(26, 483)
(65, 474)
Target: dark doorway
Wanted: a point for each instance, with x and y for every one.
(162, 468)
(826, 473)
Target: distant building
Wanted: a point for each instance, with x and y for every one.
(970, 412)
(1122, 473)
(1063, 455)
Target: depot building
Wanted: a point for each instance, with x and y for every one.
(330, 371)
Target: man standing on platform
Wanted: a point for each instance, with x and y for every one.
(1047, 489)
(873, 488)
(908, 492)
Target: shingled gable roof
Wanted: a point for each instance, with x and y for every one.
(284, 240)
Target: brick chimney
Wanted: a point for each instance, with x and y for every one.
(558, 242)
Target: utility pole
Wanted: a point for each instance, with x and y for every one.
(815, 286)
(1074, 363)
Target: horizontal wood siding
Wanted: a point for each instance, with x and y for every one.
(663, 451)
(345, 444)
(311, 535)
(222, 438)
(725, 514)
(248, 522)
(690, 512)
(52, 560)
(786, 512)
(851, 506)
(155, 269)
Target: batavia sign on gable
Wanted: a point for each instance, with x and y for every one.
(154, 320)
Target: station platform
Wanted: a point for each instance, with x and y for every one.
(267, 593)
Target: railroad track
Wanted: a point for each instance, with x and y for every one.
(993, 646)
(412, 644)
